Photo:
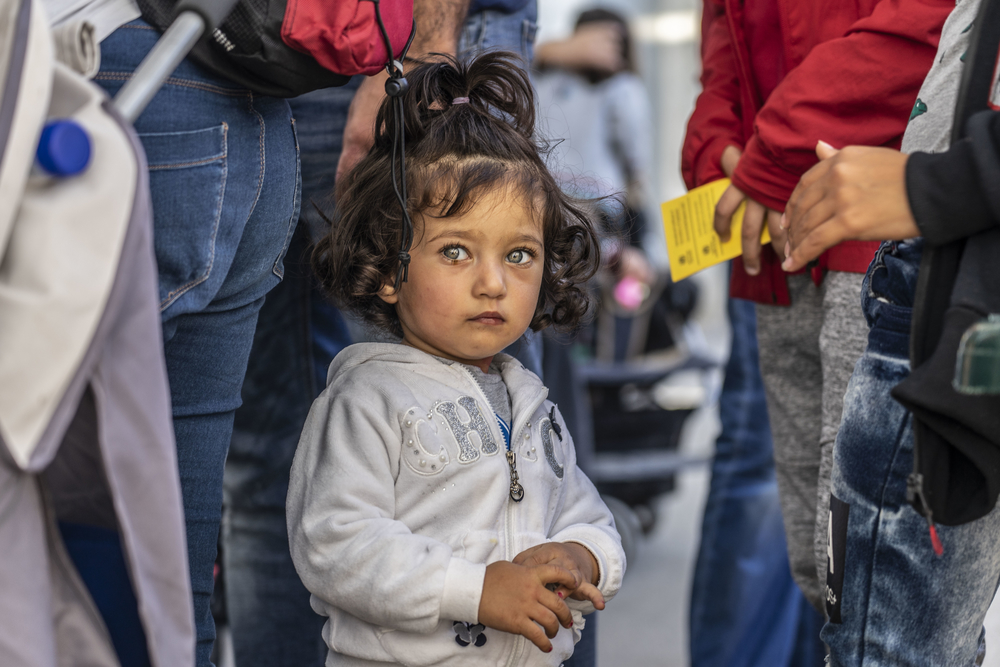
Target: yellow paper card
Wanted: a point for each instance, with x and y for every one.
(692, 243)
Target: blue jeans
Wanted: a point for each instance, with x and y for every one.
(298, 335)
(492, 29)
(898, 604)
(745, 607)
(224, 179)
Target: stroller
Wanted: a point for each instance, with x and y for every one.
(644, 378)
(94, 567)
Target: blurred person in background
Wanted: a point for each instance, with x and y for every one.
(776, 77)
(595, 111)
(599, 116)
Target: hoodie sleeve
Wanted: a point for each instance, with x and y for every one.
(347, 548)
(585, 519)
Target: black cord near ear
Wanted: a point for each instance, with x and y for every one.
(395, 87)
(399, 187)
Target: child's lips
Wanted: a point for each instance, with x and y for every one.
(491, 317)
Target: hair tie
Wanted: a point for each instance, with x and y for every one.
(460, 100)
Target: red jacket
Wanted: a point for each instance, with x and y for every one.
(854, 69)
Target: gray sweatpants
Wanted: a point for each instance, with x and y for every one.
(807, 355)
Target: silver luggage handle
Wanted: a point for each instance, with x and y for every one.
(193, 20)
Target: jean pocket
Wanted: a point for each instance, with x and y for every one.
(187, 177)
(892, 276)
(883, 298)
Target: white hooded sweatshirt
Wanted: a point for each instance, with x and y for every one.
(399, 498)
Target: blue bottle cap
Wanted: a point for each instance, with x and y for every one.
(64, 148)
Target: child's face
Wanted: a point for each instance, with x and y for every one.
(473, 280)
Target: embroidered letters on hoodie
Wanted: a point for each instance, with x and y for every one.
(467, 452)
(445, 414)
(547, 430)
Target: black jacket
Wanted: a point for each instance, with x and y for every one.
(955, 199)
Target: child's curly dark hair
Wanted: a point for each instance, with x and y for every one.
(455, 152)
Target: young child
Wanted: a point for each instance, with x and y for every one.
(435, 509)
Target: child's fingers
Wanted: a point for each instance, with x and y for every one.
(546, 618)
(534, 633)
(589, 592)
(567, 589)
(553, 574)
(578, 581)
(539, 554)
(527, 559)
(556, 605)
(560, 562)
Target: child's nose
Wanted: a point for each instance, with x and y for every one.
(491, 280)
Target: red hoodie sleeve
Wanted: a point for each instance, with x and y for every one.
(857, 89)
(716, 120)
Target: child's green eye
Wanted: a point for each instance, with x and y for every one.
(519, 256)
(455, 253)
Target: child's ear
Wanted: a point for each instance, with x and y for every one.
(388, 293)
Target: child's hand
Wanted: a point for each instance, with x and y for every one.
(575, 558)
(515, 599)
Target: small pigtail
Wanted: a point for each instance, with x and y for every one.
(490, 90)
(498, 82)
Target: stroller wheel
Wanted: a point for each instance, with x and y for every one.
(628, 525)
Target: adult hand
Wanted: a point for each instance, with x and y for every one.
(359, 129)
(855, 193)
(573, 557)
(438, 25)
(593, 46)
(754, 219)
(730, 158)
(516, 600)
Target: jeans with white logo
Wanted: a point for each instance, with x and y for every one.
(899, 604)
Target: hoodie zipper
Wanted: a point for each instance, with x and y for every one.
(519, 640)
(516, 490)
(515, 655)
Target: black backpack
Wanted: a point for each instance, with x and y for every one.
(247, 49)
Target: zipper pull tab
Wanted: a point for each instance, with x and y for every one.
(516, 490)
(915, 490)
